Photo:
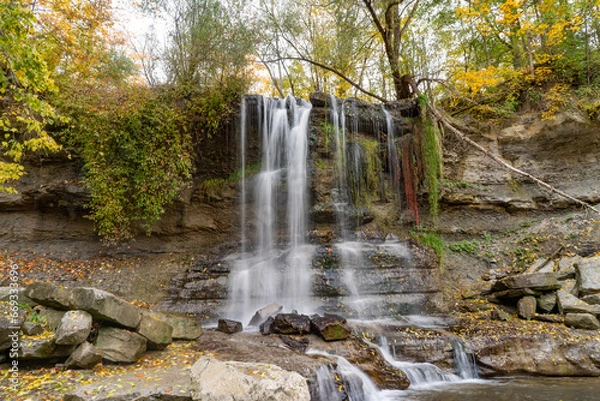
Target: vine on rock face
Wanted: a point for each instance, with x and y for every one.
(431, 153)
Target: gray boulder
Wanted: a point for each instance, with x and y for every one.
(184, 327)
(588, 275)
(85, 356)
(330, 328)
(7, 292)
(43, 349)
(568, 303)
(32, 329)
(535, 281)
(583, 321)
(526, 307)
(264, 313)
(291, 323)
(566, 267)
(213, 380)
(119, 345)
(103, 305)
(592, 299)
(541, 266)
(74, 328)
(546, 302)
(49, 294)
(11, 320)
(570, 286)
(158, 333)
(51, 316)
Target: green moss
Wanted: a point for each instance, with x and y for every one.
(430, 239)
(373, 167)
(431, 152)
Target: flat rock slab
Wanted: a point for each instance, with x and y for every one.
(184, 327)
(171, 384)
(49, 294)
(588, 277)
(568, 303)
(535, 281)
(584, 321)
(214, 380)
(103, 305)
(36, 349)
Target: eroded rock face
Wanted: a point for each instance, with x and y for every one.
(213, 380)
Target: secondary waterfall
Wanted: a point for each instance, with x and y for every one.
(279, 268)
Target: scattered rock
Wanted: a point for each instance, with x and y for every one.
(103, 305)
(119, 345)
(588, 277)
(265, 327)
(213, 380)
(158, 333)
(85, 356)
(330, 328)
(32, 329)
(536, 281)
(294, 344)
(43, 349)
(291, 323)
(583, 321)
(264, 313)
(74, 328)
(526, 307)
(229, 326)
(546, 302)
(566, 267)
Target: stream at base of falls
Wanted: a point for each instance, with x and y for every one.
(510, 389)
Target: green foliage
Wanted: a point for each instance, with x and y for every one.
(430, 239)
(24, 79)
(372, 166)
(137, 157)
(465, 246)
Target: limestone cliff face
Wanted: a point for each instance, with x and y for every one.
(479, 194)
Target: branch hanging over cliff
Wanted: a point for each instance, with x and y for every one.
(463, 137)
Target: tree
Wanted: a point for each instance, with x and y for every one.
(24, 81)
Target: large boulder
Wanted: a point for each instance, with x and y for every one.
(526, 307)
(51, 316)
(74, 328)
(184, 327)
(568, 303)
(592, 299)
(566, 267)
(103, 305)
(213, 380)
(229, 326)
(330, 328)
(49, 294)
(535, 281)
(546, 302)
(583, 321)
(588, 275)
(85, 356)
(158, 333)
(264, 313)
(35, 349)
(119, 345)
(291, 323)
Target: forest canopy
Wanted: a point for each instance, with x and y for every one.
(72, 81)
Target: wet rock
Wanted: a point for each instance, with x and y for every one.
(118, 345)
(34, 349)
(49, 294)
(291, 323)
(330, 328)
(104, 306)
(74, 328)
(299, 345)
(568, 303)
(583, 321)
(592, 299)
(526, 307)
(158, 333)
(265, 327)
(588, 277)
(321, 99)
(546, 302)
(213, 380)
(229, 326)
(262, 314)
(85, 356)
(535, 281)
(32, 329)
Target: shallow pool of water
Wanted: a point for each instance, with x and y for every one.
(511, 389)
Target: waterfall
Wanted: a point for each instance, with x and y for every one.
(279, 270)
(464, 364)
(393, 162)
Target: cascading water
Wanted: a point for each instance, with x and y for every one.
(279, 269)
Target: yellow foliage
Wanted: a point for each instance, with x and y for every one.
(557, 100)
